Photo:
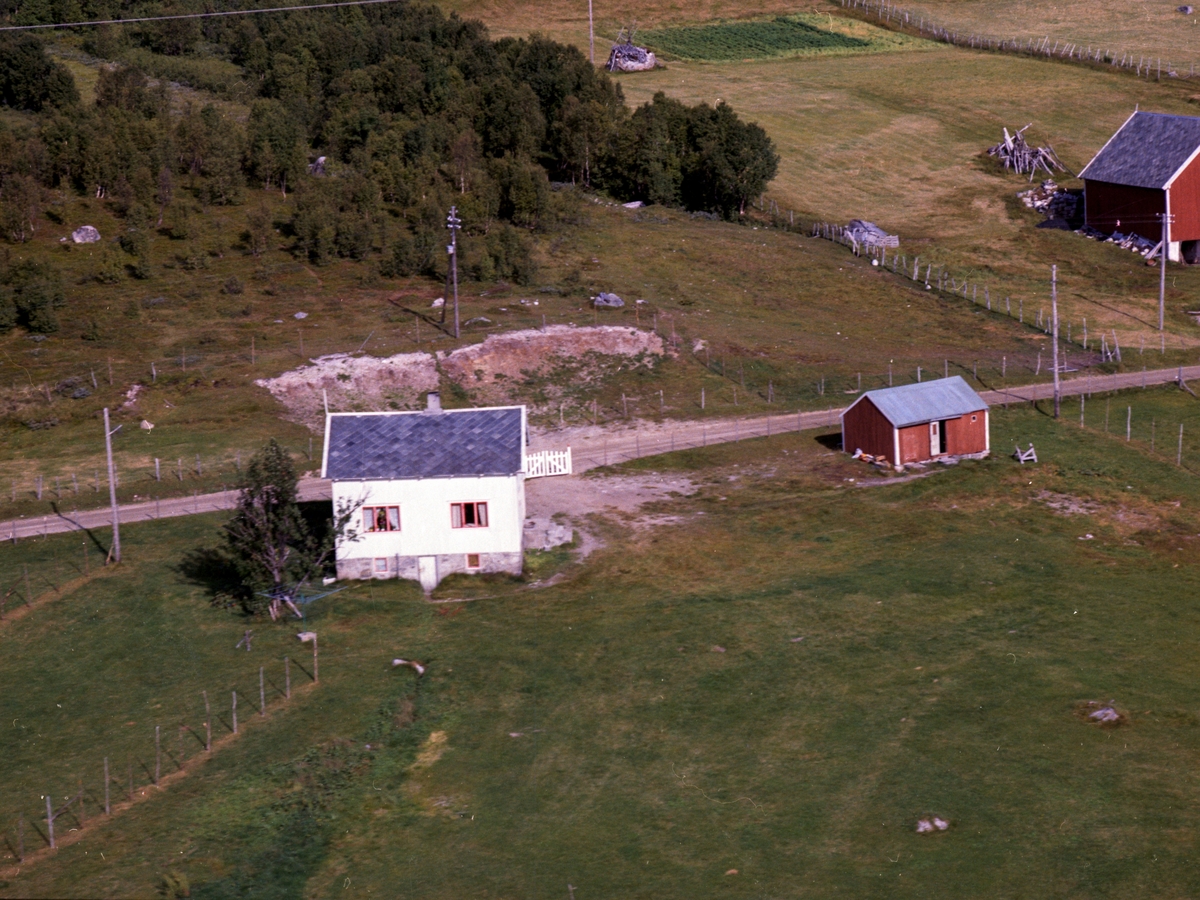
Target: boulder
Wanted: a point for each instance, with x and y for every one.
(605, 300)
(85, 234)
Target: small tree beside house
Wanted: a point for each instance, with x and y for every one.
(269, 542)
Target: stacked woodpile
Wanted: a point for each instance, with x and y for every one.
(1018, 156)
(625, 57)
(1052, 200)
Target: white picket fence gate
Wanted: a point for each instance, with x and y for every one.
(548, 462)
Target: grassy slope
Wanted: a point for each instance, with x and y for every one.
(774, 307)
(898, 139)
(1151, 29)
(950, 626)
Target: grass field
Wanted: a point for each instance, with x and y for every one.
(1153, 30)
(951, 627)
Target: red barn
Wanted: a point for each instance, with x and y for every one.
(1151, 166)
(918, 422)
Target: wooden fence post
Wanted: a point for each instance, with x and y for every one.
(235, 731)
(107, 804)
(207, 724)
(262, 692)
(50, 820)
(287, 678)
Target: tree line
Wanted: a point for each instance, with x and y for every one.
(412, 110)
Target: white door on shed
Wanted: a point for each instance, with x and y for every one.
(935, 438)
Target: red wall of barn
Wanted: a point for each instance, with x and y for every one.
(1131, 210)
(965, 436)
(914, 443)
(865, 428)
(1185, 204)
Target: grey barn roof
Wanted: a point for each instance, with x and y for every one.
(1147, 151)
(913, 404)
(443, 444)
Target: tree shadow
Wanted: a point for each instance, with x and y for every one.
(212, 569)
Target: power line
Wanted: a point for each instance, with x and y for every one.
(203, 15)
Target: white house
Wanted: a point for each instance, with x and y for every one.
(442, 491)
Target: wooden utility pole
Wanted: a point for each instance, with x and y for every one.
(591, 35)
(1162, 276)
(454, 224)
(1054, 317)
(115, 552)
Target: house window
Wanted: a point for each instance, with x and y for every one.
(381, 518)
(468, 515)
(381, 565)
(472, 560)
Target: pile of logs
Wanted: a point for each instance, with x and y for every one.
(1021, 158)
(625, 57)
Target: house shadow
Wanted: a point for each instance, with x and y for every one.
(830, 441)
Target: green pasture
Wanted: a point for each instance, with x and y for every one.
(591, 732)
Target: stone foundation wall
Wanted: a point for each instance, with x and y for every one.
(359, 569)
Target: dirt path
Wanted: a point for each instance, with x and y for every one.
(592, 447)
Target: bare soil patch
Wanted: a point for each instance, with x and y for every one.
(541, 366)
(533, 366)
(572, 498)
(365, 383)
(1124, 519)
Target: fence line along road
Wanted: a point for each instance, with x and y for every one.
(592, 450)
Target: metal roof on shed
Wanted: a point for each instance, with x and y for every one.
(913, 404)
(1148, 151)
(441, 444)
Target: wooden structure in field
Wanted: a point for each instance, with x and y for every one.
(918, 422)
(1149, 168)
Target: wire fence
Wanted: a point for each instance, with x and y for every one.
(1141, 65)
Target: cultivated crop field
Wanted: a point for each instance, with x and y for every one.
(782, 36)
(655, 720)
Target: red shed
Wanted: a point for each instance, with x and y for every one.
(918, 422)
(1151, 166)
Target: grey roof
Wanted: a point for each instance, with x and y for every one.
(443, 444)
(912, 404)
(1147, 151)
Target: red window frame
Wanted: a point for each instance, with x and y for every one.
(381, 518)
(472, 514)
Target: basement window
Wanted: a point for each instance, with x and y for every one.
(381, 565)
(381, 518)
(472, 560)
(468, 515)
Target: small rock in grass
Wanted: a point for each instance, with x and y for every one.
(301, 315)
(797, 640)
(924, 826)
(718, 649)
(731, 871)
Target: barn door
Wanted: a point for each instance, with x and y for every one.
(935, 439)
